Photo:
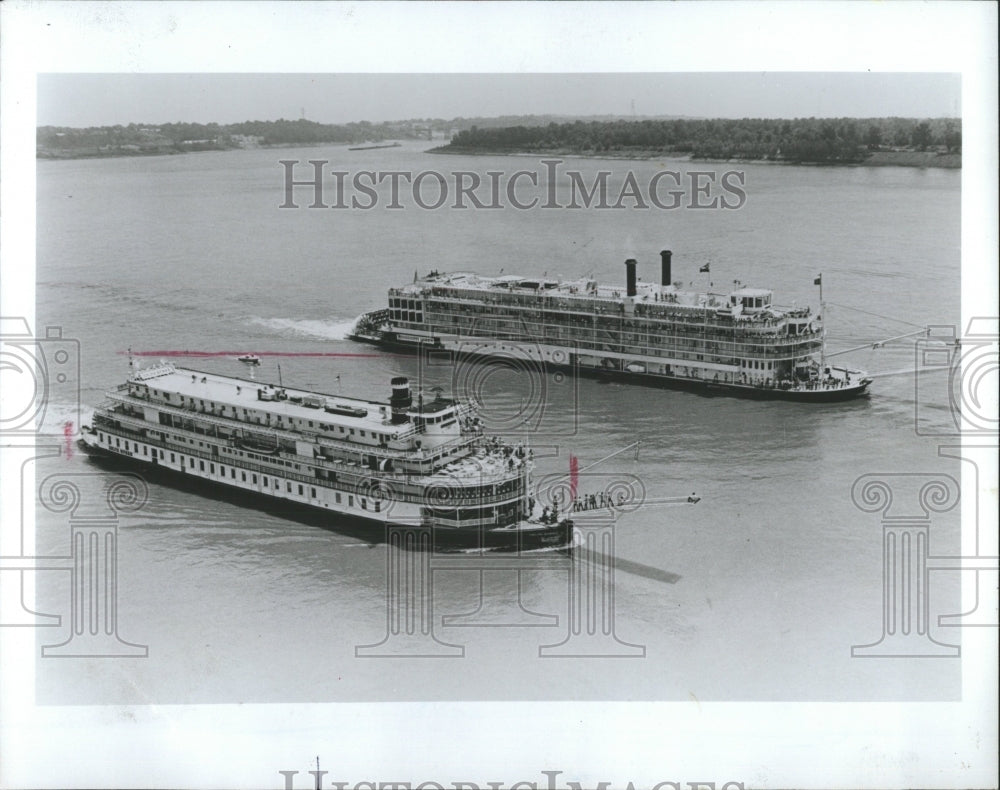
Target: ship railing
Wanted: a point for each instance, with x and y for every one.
(429, 453)
(411, 488)
(534, 329)
(661, 345)
(234, 441)
(695, 315)
(140, 428)
(490, 303)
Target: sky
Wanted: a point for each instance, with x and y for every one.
(80, 100)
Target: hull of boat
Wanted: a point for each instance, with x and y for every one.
(855, 390)
(528, 536)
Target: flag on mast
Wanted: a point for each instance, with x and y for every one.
(818, 280)
(704, 268)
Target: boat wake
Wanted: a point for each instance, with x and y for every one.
(326, 330)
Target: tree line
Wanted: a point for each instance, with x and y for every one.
(197, 136)
(797, 140)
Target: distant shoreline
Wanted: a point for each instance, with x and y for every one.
(874, 159)
(66, 153)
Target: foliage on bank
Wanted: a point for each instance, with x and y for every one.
(182, 137)
(806, 140)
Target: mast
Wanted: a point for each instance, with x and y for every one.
(822, 307)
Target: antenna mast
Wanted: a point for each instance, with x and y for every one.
(822, 306)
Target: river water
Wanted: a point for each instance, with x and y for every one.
(758, 592)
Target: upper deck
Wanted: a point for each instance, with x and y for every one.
(254, 402)
(182, 386)
(589, 296)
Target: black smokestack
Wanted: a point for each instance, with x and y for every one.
(665, 267)
(401, 399)
(630, 277)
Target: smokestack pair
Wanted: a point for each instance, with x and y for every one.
(630, 265)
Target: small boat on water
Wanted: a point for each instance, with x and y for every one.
(249, 359)
(373, 147)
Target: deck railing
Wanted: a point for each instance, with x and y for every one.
(411, 488)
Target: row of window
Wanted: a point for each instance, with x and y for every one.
(275, 483)
(293, 424)
(657, 320)
(757, 364)
(659, 333)
(405, 304)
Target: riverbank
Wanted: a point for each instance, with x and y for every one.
(170, 150)
(873, 159)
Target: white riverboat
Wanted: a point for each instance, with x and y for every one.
(738, 342)
(424, 463)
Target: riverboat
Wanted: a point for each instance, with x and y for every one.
(738, 342)
(408, 462)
